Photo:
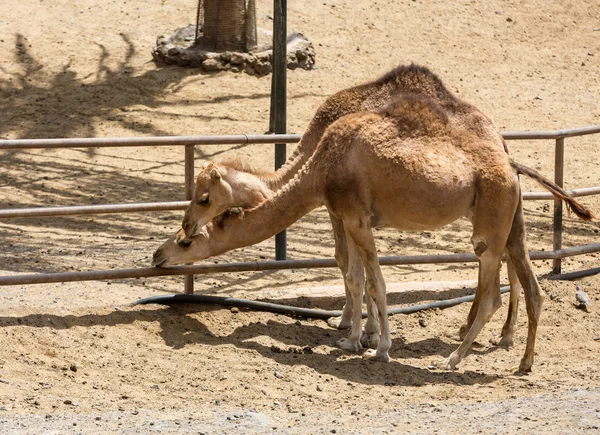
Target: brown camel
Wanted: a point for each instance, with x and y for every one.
(235, 187)
(406, 166)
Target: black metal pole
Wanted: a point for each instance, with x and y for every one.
(189, 193)
(279, 100)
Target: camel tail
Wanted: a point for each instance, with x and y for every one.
(555, 189)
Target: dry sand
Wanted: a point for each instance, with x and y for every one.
(76, 357)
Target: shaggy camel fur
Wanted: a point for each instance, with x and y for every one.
(235, 187)
(405, 166)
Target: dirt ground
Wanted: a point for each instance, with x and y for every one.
(77, 357)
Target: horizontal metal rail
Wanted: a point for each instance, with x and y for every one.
(190, 270)
(92, 209)
(16, 144)
(556, 134)
(584, 191)
(182, 205)
(253, 266)
(236, 139)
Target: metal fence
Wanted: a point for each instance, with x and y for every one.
(189, 271)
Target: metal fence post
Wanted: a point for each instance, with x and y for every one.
(559, 160)
(189, 193)
(279, 100)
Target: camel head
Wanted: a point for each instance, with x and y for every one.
(212, 196)
(181, 250)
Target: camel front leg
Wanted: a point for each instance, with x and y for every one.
(341, 256)
(355, 280)
(365, 244)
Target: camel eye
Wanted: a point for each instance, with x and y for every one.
(185, 243)
(203, 200)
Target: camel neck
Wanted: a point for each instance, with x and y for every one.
(296, 199)
(306, 147)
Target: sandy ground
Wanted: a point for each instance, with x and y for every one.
(76, 357)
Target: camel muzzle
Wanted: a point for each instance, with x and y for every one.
(157, 259)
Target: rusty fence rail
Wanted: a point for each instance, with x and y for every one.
(189, 142)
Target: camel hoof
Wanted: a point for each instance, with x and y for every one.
(372, 355)
(339, 323)
(370, 341)
(504, 341)
(453, 336)
(349, 345)
(525, 368)
(447, 364)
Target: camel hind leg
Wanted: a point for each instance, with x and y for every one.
(508, 330)
(491, 228)
(534, 296)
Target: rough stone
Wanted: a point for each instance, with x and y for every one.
(195, 61)
(175, 51)
(263, 68)
(179, 49)
(212, 65)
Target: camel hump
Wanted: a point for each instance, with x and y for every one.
(418, 79)
(415, 114)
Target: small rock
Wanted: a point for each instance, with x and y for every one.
(235, 310)
(73, 368)
(213, 65)
(68, 402)
(319, 388)
(174, 51)
(278, 374)
(423, 322)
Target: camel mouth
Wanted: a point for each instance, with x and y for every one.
(158, 260)
(161, 263)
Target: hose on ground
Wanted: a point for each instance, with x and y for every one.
(295, 311)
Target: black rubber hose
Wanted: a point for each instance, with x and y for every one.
(294, 311)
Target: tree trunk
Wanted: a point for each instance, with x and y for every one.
(225, 25)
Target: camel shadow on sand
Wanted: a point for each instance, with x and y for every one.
(180, 328)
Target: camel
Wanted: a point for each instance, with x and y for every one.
(404, 166)
(232, 187)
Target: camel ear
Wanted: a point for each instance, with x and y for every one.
(215, 174)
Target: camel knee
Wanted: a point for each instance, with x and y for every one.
(479, 244)
(355, 280)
